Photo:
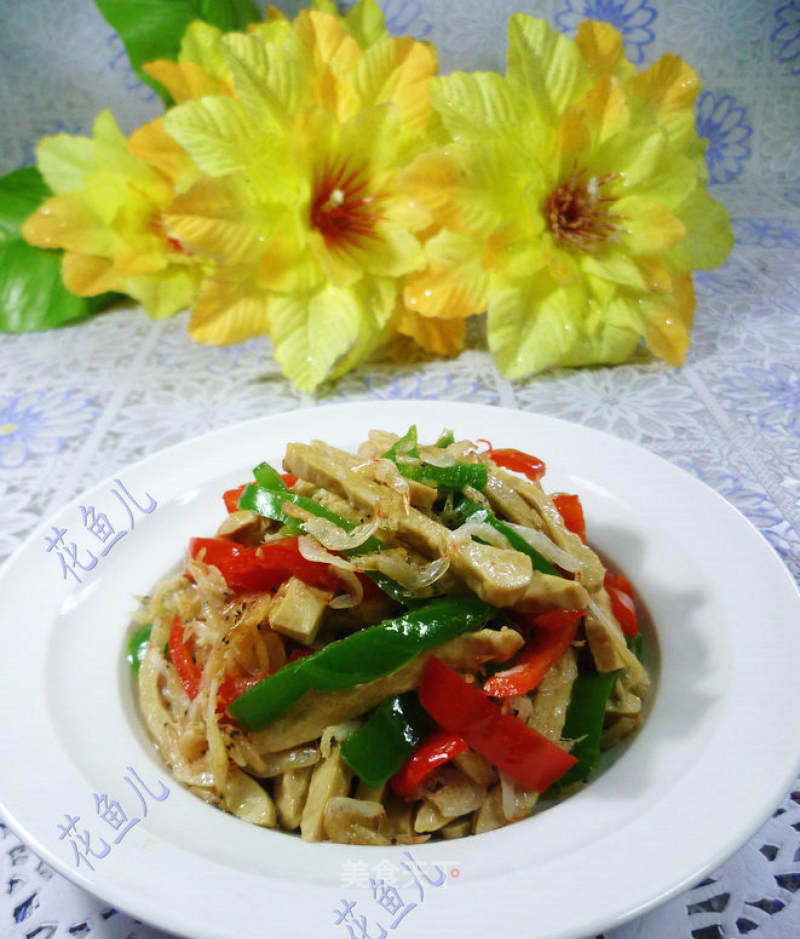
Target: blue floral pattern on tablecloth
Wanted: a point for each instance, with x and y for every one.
(118, 62)
(723, 123)
(35, 423)
(786, 36)
(765, 232)
(769, 396)
(633, 18)
(403, 17)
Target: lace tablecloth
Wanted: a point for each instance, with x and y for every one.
(79, 403)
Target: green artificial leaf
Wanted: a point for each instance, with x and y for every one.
(153, 29)
(32, 296)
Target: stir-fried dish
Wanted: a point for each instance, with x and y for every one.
(382, 647)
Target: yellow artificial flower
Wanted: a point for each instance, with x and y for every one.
(570, 200)
(300, 204)
(107, 216)
(201, 67)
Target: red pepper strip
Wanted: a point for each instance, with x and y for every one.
(189, 674)
(620, 592)
(263, 567)
(231, 497)
(543, 651)
(299, 653)
(553, 619)
(570, 509)
(506, 741)
(185, 666)
(439, 748)
(234, 685)
(519, 462)
(289, 479)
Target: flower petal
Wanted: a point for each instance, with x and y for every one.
(606, 109)
(335, 94)
(201, 46)
(454, 284)
(153, 145)
(476, 103)
(709, 237)
(221, 138)
(230, 307)
(185, 80)
(442, 337)
(67, 222)
(544, 67)
(533, 327)
(530, 326)
(602, 49)
(366, 23)
(164, 293)
(63, 160)
(377, 297)
(326, 41)
(392, 252)
(221, 219)
(669, 323)
(431, 183)
(398, 71)
(87, 276)
(665, 93)
(270, 78)
(647, 226)
(615, 266)
(313, 333)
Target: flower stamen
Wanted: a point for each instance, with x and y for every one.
(576, 211)
(340, 210)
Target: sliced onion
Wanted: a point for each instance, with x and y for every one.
(482, 530)
(517, 801)
(354, 595)
(545, 547)
(333, 538)
(429, 574)
(608, 624)
(404, 571)
(310, 548)
(522, 706)
(440, 458)
(336, 733)
(384, 471)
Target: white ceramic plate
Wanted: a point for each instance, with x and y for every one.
(718, 751)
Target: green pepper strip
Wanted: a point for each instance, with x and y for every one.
(584, 723)
(361, 657)
(268, 477)
(472, 512)
(383, 745)
(446, 478)
(269, 502)
(137, 646)
(445, 440)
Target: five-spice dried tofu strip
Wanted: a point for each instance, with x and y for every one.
(380, 470)
(606, 640)
(607, 643)
(308, 718)
(542, 514)
(551, 700)
(499, 576)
